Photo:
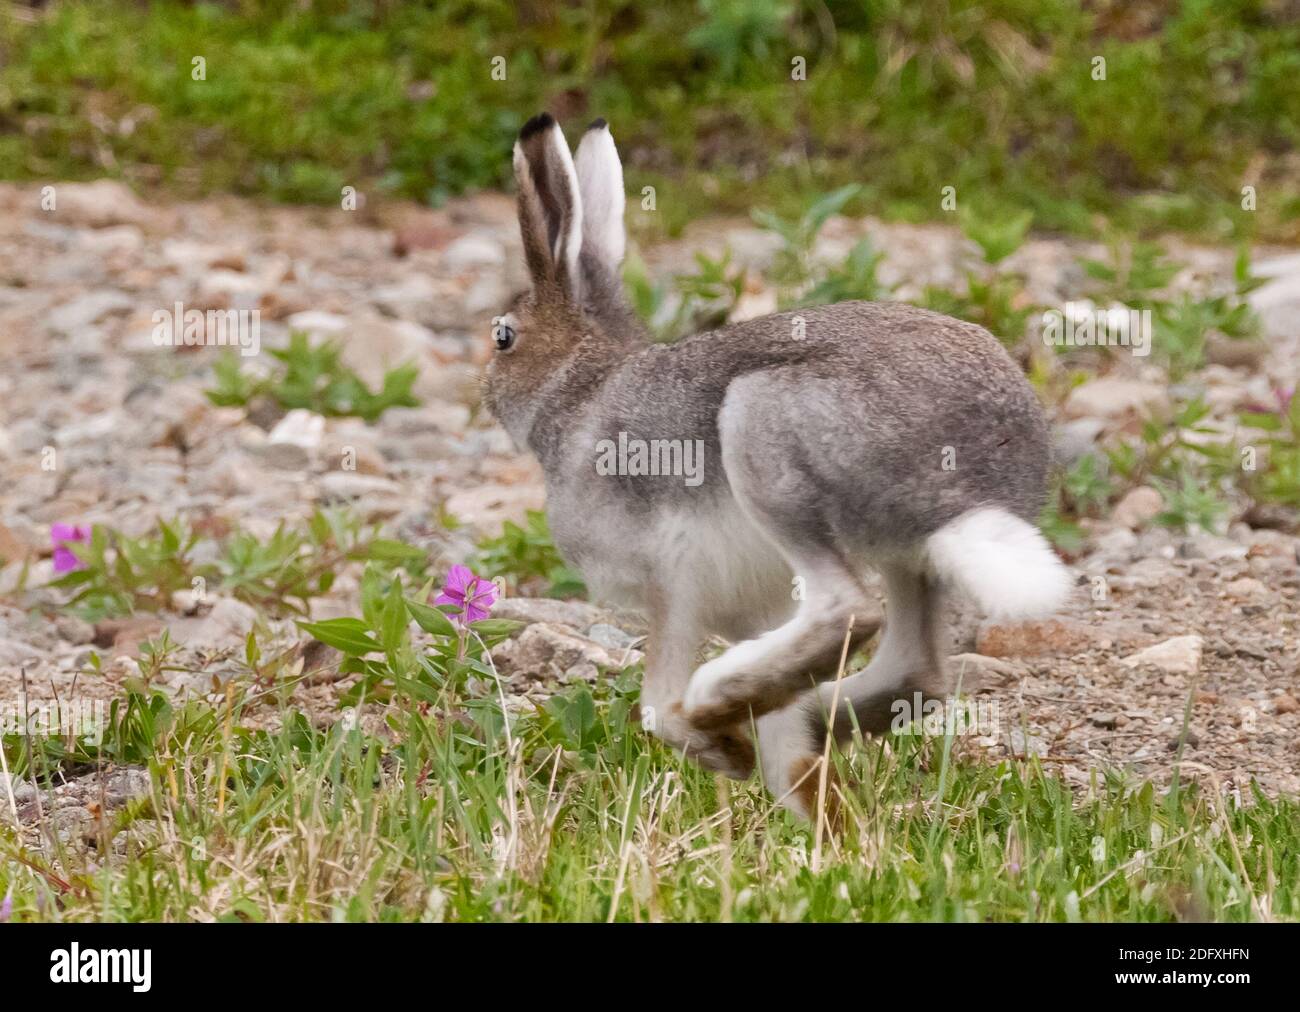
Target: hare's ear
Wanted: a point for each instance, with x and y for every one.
(600, 181)
(550, 207)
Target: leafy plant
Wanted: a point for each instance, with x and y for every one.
(298, 563)
(1190, 505)
(122, 575)
(994, 299)
(1056, 524)
(710, 294)
(734, 32)
(996, 303)
(1194, 466)
(1086, 485)
(1278, 479)
(687, 303)
(856, 278)
(527, 555)
(454, 654)
(997, 234)
(592, 725)
(792, 267)
(314, 377)
(1133, 272)
(1183, 327)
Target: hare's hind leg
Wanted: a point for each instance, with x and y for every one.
(777, 487)
(907, 662)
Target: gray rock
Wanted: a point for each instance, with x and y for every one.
(1114, 399)
(21, 790)
(99, 204)
(88, 309)
(315, 323)
(299, 428)
(1116, 544)
(1180, 655)
(577, 614)
(1212, 547)
(611, 637)
(15, 654)
(342, 485)
(1023, 744)
(471, 251)
(544, 651)
(1138, 507)
(226, 625)
(74, 630)
(285, 456)
(975, 667)
(408, 299)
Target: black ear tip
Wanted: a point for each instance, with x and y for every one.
(598, 124)
(542, 121)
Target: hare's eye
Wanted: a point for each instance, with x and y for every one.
(504, 336)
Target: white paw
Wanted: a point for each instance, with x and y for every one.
(705, 689)
(708, 686)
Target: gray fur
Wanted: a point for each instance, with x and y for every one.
(848, 426)
(824, 452)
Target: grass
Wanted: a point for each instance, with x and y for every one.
(571, 813)
(999, 101)
(420, 796)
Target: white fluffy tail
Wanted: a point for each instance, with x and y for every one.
(1001, 562)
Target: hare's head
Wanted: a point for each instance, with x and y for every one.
(571, 221)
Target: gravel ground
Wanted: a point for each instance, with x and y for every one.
(98, 424)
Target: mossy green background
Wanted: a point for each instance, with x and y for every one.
(995, 98)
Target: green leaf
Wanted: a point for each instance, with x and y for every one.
(1260, 420)
(387, 550)
(496, 627)
(392, 630)
(350, 635)
(431, 620)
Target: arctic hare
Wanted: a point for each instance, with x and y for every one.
(740, 482)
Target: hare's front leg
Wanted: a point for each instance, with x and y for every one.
(766, 673)
(670, 658)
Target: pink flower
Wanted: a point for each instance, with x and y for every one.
(60, 536)
(473, 595)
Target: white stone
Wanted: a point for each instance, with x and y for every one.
(1178, 656)
(99, 204)
(314, 322)
(299, 427)
(1138, 507)
(471, 251)
(1116, 399)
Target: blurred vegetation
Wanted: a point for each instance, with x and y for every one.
(997, 99)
